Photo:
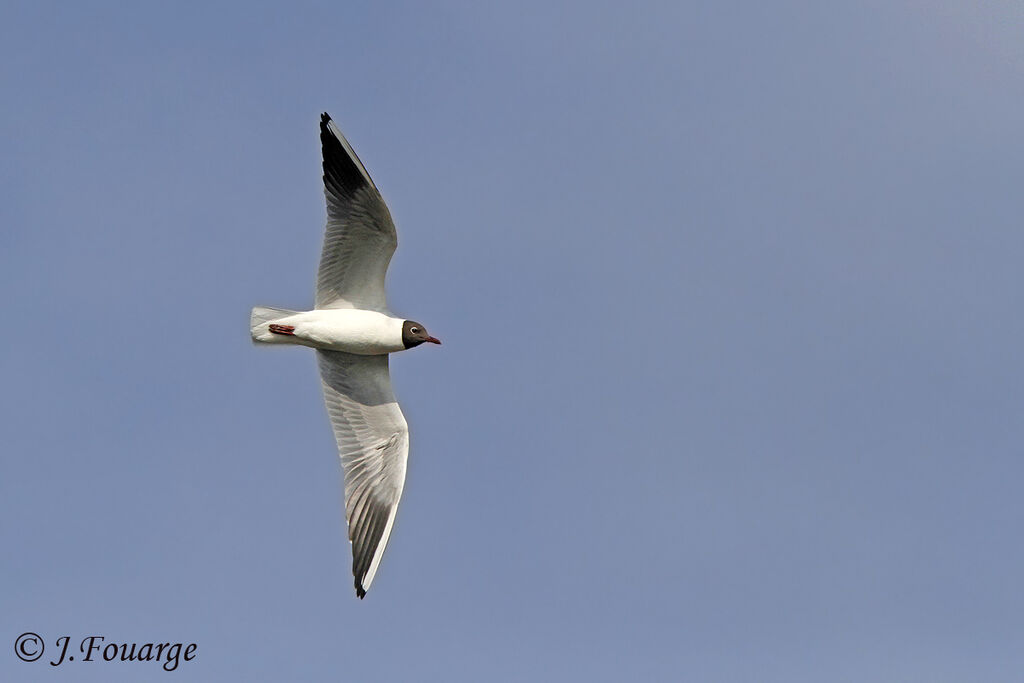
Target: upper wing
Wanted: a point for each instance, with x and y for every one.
(360, 237)
(373, 441)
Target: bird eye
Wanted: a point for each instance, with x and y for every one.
(415, 330)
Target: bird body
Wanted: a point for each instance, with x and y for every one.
(353, 333)
(352, 330)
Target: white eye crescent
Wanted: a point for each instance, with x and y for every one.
(414, 330)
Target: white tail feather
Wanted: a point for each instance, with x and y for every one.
(260, 319)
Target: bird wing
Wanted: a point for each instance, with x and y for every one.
(373, 442)
(360, 237)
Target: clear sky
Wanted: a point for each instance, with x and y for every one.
(730, 292)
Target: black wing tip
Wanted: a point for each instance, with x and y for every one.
(360, 591)
(342, 172)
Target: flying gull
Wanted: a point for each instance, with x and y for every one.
(353, 332)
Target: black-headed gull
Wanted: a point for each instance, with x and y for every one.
(353, 333)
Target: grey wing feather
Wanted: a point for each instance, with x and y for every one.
(373, 442)
(360, 237)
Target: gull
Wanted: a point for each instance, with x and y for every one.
(353, 333)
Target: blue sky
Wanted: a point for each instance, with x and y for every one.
(731, 385)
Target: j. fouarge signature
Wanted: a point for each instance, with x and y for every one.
(30, 647)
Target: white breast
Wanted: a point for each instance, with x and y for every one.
(345, 329)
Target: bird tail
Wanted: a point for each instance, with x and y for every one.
(259, 320)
